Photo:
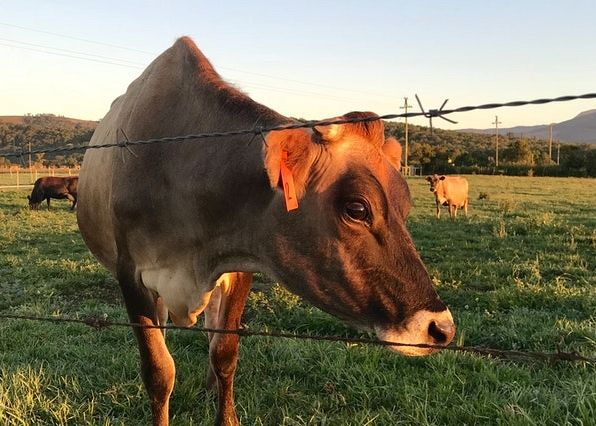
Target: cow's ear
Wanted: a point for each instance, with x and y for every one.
(392, 150)
(442, 178)
(298, 145)
(331, 132)
(429, 179)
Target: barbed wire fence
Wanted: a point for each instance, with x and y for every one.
(259, 130)
(99, 322)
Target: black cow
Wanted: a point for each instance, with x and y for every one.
(53, 187)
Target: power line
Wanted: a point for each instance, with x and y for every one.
(295, 91)
(362, 91)
(76, 38)
(366, 92)
(68, 56)
(75, 55)
(71, 51)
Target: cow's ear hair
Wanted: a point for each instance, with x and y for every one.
(442, 178)
(429, 179)
(329, 133)
(392, 150)
(298, 144)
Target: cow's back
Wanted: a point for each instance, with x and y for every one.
(178, 94)
(454, 190)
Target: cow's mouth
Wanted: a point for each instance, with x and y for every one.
(423, 328)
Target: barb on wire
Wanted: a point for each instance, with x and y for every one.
(433, 113)
(125, 143)
(257, 130)
(101, 322)
(429, 114)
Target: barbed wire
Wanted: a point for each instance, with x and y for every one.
(257, 130)
(100, 322)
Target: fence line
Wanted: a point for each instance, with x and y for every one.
(24, 177)
(258, 130)
(99, 322)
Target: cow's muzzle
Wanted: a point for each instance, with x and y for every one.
(424, 327)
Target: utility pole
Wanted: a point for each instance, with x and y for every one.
(558, 151)
(496, 123)
(550, 143)
(30, 167)
(405, 107)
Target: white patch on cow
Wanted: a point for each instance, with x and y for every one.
(183, 297)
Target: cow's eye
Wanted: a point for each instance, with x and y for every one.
(357, 210)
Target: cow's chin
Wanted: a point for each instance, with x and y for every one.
(421, 328)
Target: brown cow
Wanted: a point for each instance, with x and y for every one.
(450, 191)
(182, 226)
(53, 187)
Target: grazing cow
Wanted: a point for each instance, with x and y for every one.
(182, 226)
(450, 191)
(53, 187)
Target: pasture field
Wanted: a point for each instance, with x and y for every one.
(518, 273)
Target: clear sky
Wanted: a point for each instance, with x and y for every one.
(310, 59)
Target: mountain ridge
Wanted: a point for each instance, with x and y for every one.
(579, 129)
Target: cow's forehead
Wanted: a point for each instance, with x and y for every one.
(370, 162)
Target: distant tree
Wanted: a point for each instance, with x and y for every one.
(573, 157)
(421, 154)
(518, 153)
(591, 162)
(541, 158)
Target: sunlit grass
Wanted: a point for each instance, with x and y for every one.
(518, 273)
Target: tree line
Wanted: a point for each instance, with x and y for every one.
(42, 131)
(439, 151)
(450, 151)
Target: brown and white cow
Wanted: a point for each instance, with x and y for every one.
(53, 187)
(450, 191)
(182, 226)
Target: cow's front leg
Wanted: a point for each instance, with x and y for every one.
(224, 312)
(438, 210)
(157, 366)
(48, 201)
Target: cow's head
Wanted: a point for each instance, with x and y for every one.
(346, 248)
(32, 204)
(434, 181)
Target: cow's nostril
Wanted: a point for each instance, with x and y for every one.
(442, 332)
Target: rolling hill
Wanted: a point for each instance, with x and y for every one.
(53, 119)
(580, 129)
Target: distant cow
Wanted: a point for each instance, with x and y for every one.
(450, 191)
(53, 187)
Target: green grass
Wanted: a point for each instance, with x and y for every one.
(518, 273)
